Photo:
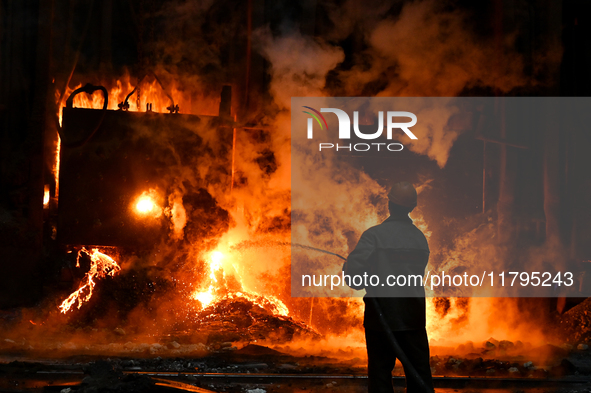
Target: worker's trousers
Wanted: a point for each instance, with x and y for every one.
(381, 360)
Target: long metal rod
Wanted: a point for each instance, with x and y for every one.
(459, 379)
(440, 381)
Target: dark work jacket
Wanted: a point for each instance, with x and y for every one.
(395, 247)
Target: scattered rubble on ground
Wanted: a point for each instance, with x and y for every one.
(129, 374)
(239, 336)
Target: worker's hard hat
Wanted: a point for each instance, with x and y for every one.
(403, 194)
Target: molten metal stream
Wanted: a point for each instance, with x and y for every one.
(101, 265)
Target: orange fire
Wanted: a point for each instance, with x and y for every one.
(150, 92)
(213, 293)
(207, 297)
(146, 204)
(46, 196)
(56, 165)
(268, 302)
(101, 265)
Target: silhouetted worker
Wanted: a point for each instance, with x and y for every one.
(393, 248)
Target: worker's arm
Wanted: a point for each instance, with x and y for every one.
(357, 261)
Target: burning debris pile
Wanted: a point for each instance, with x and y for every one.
(240, 318)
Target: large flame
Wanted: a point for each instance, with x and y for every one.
(150, 92)
(216, 292)
(146, 204)
(208, 296)
(101, 265)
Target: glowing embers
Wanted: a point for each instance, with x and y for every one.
(270, 303)
(101, 265)
(146, 205)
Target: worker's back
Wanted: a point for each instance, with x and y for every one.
(396, 253)
(399, 257)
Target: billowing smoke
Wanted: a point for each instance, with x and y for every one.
(430, 50)
(424, 49)
(299, 65)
